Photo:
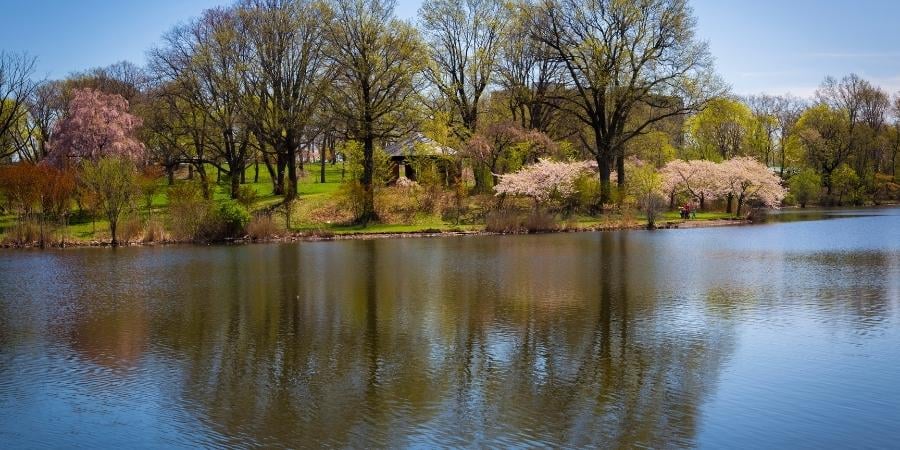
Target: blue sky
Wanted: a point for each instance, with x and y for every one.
(774, 46)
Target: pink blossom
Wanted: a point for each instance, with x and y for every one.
(96, 125)
(543, 180)
(749, 180)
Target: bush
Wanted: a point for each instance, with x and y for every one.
(263, 227)
(399, 204)
(192, 217)
(233, 218)
(130, 230)
(155, 232)
(805, 186)
(511, 221)
(539, 222)
(24, 232)
(587, 194)
(247, 196)
(351, 197)
(503, 221)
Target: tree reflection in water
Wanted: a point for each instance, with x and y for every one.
(607, 339)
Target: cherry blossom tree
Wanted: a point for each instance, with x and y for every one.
(748, 180)
(543, 180)
(697, 178)
(492, 148)
(97, 125)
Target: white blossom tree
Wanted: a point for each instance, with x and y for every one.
(543, 180)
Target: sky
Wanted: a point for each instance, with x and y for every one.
(773, 46)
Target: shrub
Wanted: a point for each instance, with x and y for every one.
(399, 204)
(351, 198)
(587, 194)
(233, 218)
(155, 232)
(24, 232)
(247, 196)
(805, 186)
(130, 230)
(503, 221)
(263, 227)
(539, 222)
(192, 217)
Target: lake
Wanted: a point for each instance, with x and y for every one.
(785, 334)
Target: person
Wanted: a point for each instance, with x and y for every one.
(693, 211)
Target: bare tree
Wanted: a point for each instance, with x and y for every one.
(464, 39)
(206, 59)
(622, 55)
(288, 73)
(529, 75)
(788, 110)
(16, 88)
(375, 60)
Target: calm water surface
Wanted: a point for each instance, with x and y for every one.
(777, 335)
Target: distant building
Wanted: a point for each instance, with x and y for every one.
(409, 153)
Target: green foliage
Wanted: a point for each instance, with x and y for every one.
(587, 194)
(805, 186)
(353, 154)
(654, 147)
(644, 187)
(247, 196)
(191, 216)
(112, 183)
(721, 130)
(844, 182)
(234, 218)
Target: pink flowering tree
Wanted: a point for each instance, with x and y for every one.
(747, 180)
(697, 178)
(493, 147)
(543, 181)
(96, 125)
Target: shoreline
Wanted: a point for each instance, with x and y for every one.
(301, 236)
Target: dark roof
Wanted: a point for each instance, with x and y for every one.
(417, 144)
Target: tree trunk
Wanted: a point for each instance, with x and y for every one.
(322, 161)
(236, 182)
(620, 169)
(279, 174)
(729, 203)
(112, 231)
(170, 173)
(204, 181)
(290, 152)
(368, 209)
(256, 171)
(604, 163)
